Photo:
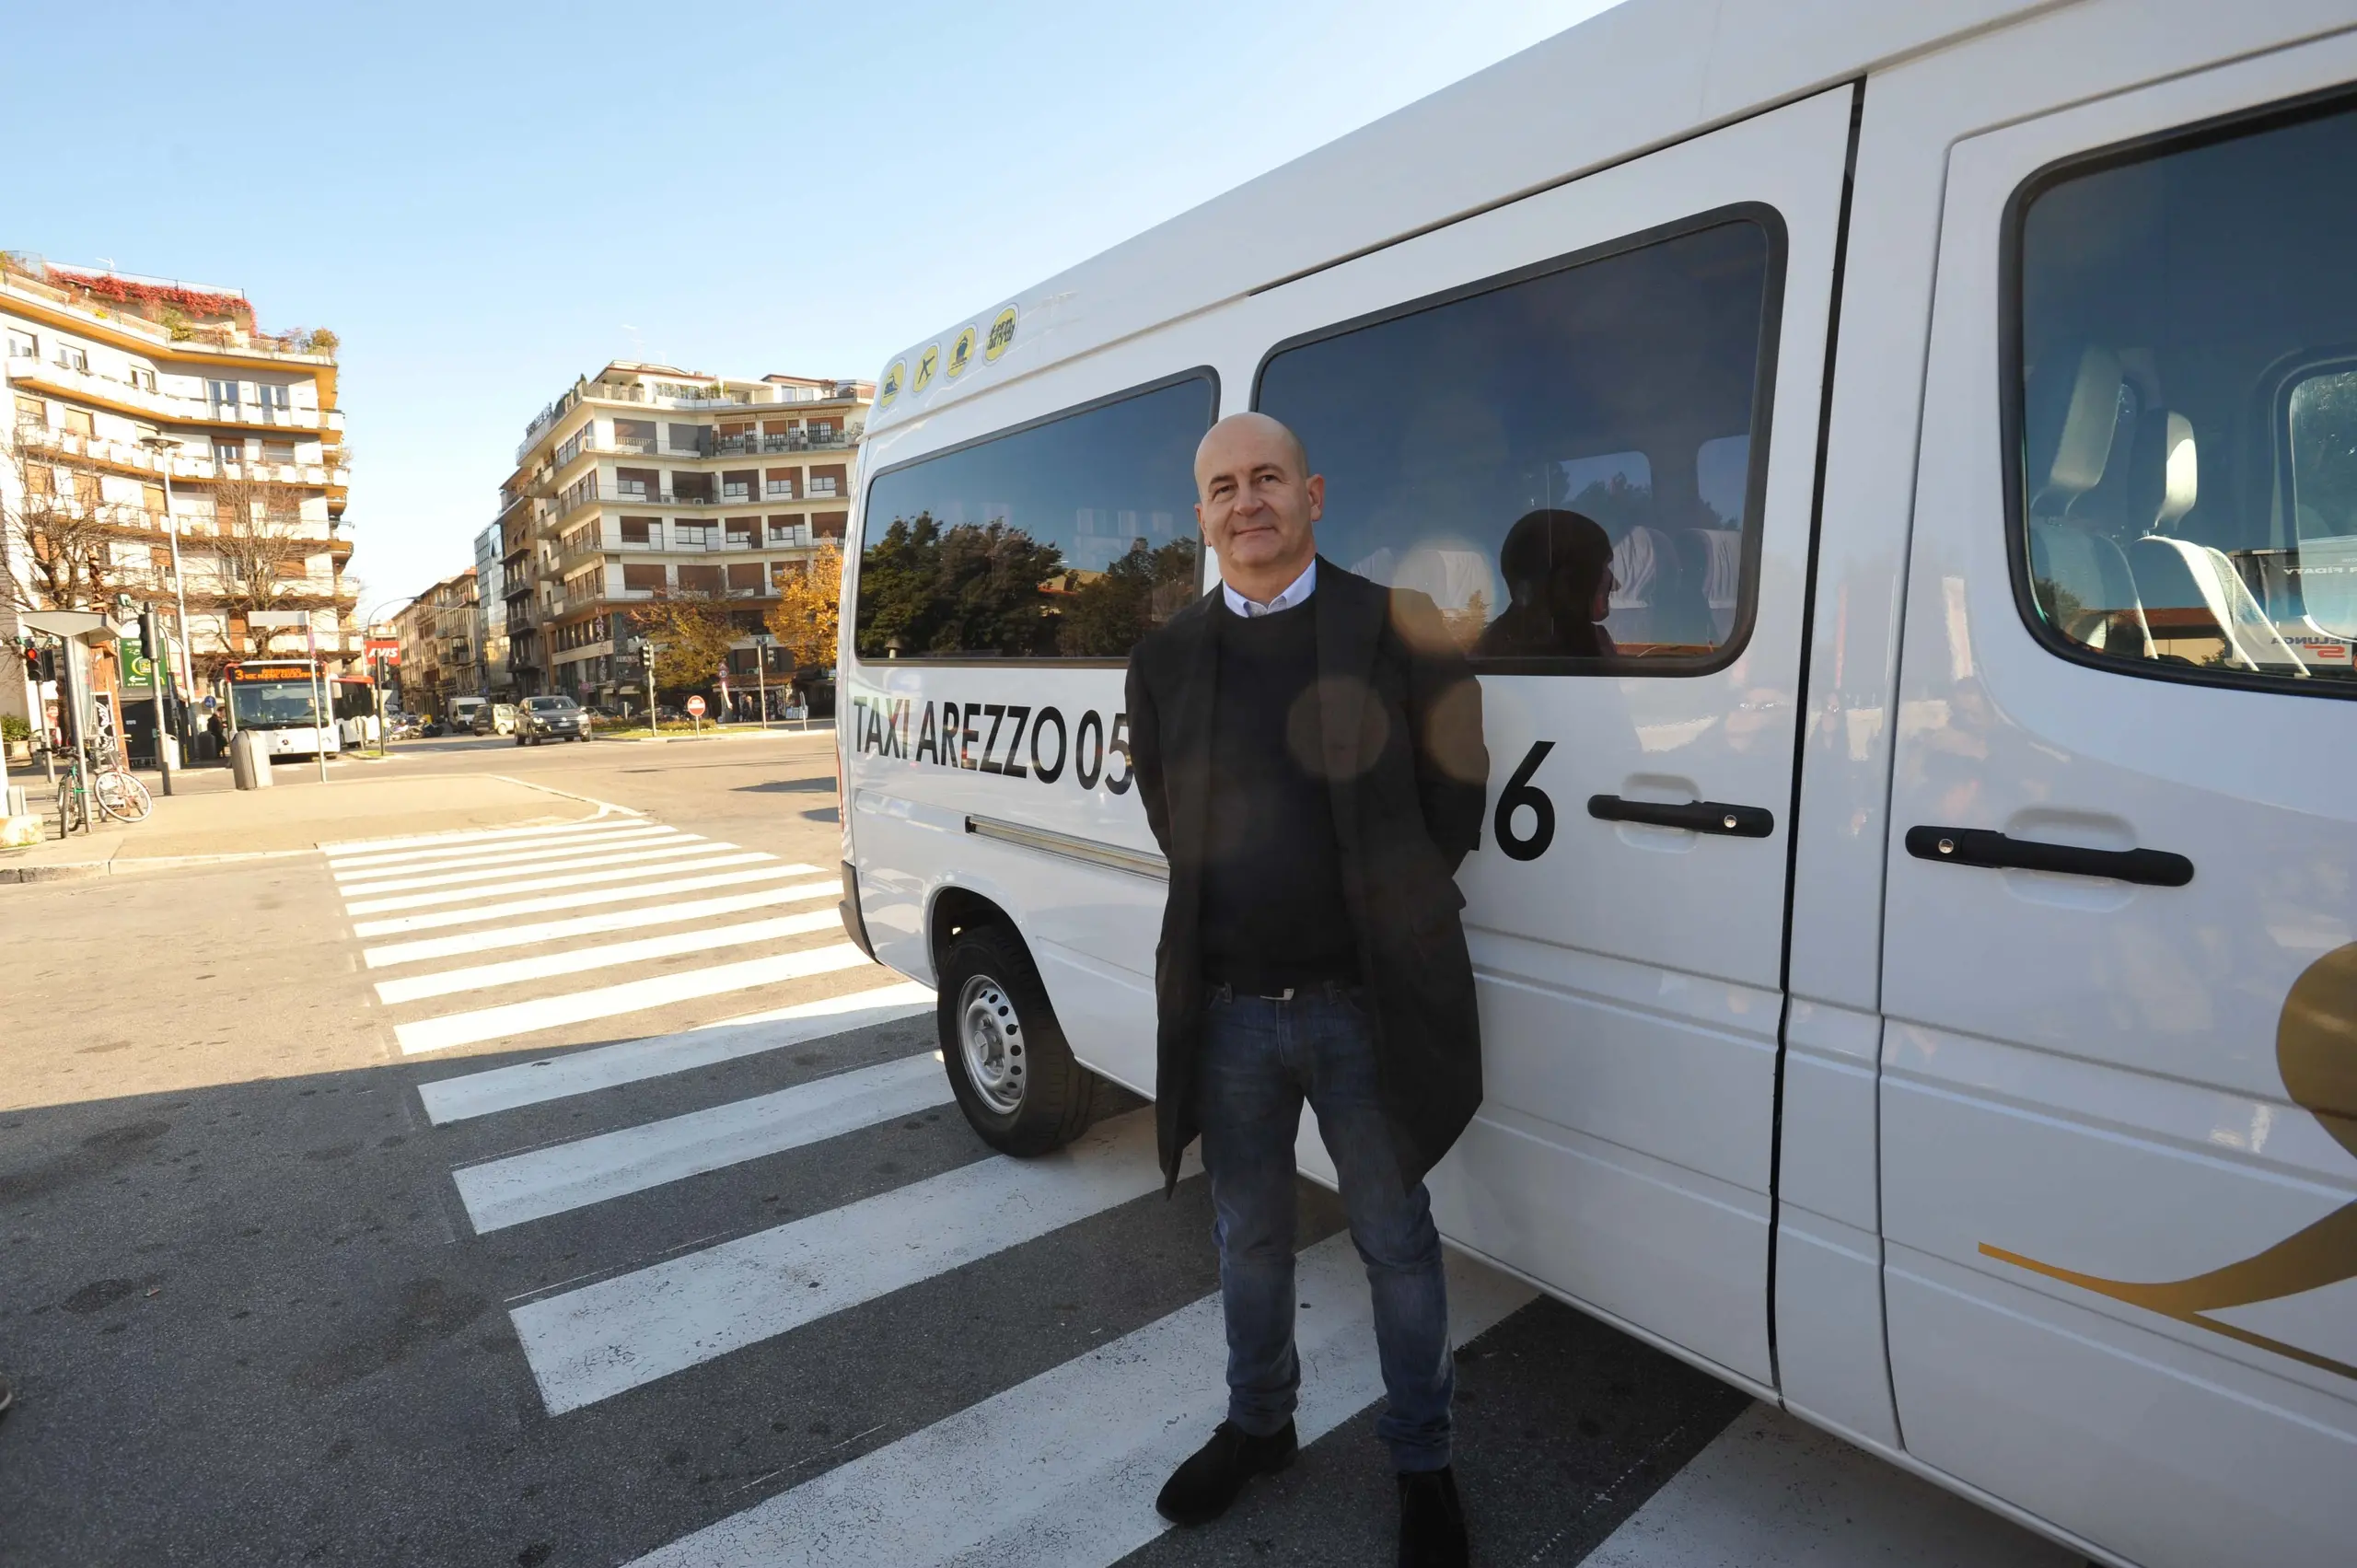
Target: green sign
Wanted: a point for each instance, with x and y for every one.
(138, 669)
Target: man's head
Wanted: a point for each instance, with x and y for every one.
(1258, 503)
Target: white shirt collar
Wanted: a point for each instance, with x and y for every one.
(1298, 592)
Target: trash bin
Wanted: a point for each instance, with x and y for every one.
(248, 761)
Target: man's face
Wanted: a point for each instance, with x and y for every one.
(1258, 504)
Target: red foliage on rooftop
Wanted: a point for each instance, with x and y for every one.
(153, 296)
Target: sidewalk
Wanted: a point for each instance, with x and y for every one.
(210, 821)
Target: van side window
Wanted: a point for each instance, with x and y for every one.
(1069, 539)
(2184, 414)
(1562, 459)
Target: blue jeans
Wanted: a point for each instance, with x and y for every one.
(1260, 1059)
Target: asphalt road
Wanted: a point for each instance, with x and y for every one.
(440, 1205)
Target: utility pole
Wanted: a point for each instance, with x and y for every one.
(158, 660)
(761, 674)
(164, 447)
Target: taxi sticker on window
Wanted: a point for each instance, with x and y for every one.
(927, 363)
(961, 353)
(1001, 334)
(891, 387)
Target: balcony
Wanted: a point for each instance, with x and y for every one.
(126, 458)
(792, 441)
(84, 386)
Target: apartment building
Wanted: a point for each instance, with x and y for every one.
(441, 654)
(645, 480)
(490, 616)
(143, 408)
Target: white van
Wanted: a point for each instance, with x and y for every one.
(1916, 930)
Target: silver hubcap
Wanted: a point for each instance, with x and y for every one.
(991, 1036)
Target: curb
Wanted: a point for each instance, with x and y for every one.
(77, 870)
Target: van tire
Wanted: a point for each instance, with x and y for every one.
(1040, 1100)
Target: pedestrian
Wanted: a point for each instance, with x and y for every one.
(1309, 750)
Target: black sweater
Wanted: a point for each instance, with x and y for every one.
(1274, 914)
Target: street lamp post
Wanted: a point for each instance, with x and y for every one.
(761, 675)
(162, 446)
(377, 665)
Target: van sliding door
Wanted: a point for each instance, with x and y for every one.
(1585, 425)
(2120, 1092)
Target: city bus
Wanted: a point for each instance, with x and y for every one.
(1915, 930)
(279, 699)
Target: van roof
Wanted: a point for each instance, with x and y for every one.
(1643, 81)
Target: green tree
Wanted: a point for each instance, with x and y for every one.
(970, 588)
(1106, 614)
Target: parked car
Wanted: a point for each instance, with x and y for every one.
(551, 718)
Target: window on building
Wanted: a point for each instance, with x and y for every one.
(143, 378)
(1562, 462)
(72, 358)
(700, 579)
(785, 530)
(691, 487)
(40, 480)
(690, 534)
(160, 561)
(643, 531)
(742, 532)
(637, 483)
(78, 422)
(274, 396)
(634, 435)
(2184, 408)
(830, 525)
(745, 576)
(151, 500)
(829, 478)
(23, 346)
(779, 484)
(221, 394)
(31, 412)
(695, 438)
(1066, 540)
(278, 451)
(737, 487)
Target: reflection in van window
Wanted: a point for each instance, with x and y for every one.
(2187, 406)
(1562, 462)
(1068, 540)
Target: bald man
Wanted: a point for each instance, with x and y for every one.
(1309, 750)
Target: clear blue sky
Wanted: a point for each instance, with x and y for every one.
(484, 201)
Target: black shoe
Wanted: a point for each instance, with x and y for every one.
(1432, 1521)
(1200, 1490)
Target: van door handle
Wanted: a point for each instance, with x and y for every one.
(1985, 847)
(1695, 816)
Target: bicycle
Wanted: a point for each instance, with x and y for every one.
(120, 796)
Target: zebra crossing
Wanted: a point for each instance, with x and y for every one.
(576, 1022)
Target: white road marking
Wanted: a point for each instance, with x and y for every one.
(441, 918)
(1061, 1471)
(697, 859)
(683, 844)
(631, 996)
(402, 865)
(604, 819)
(604, 1339)
(533, 1186)
(630, 1062)
(1772, 1491)
(612, 955)
(589, 924)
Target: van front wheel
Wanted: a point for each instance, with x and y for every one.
(1014, 1075)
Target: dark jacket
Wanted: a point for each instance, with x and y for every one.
(1401, 720)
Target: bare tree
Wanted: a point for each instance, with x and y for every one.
(259, 559)
(60, 533)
